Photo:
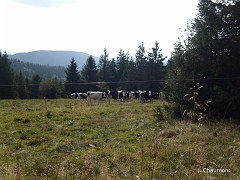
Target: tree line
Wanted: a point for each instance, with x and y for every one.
(201, 74)
(16, 85)
(106, 75)
(144, 71)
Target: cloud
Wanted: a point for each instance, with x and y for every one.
(45, 3)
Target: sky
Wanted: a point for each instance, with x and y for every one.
(89, 26)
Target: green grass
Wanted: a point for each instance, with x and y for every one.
(65, 139)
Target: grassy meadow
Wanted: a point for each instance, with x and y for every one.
(64, 139)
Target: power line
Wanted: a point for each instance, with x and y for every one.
(117, 82)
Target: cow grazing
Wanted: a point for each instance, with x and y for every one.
(77, 96)
(132, 95)
(81, 95)
(144, 95)
(135, 95)
(155, 95)
(123, 95)
(73, 95)
(112, 94)
(118, 95)
(148, 95)
(95, 95)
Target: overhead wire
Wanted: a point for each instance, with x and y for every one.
(117, 82)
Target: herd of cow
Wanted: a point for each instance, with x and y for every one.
(121, 95)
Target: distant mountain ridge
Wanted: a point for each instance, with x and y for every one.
(53, 58)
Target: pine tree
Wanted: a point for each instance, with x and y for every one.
(72, 78)
(156, 69)
(141, 66)
(129, 76)
(34, 86)
(216, 41)
(112, 74)
(88, 74)
(22, 90)
(46, 89)
(61, 89)
(102, 66)
(55, 93)
(122, 61)
(6, 78)
(15, 85)
(210, 52)
(27, 86)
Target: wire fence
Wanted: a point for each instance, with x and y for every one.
(117, 82)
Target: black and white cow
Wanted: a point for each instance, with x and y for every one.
(144, 95)
(112, 94)
(136, 95)
(121, 95)
(81, 95)
(147, 95)
(73, 95)
(155, 95)
(131, 95)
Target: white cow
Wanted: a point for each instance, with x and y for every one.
(95, 95)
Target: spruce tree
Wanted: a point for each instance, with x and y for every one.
(22, 90)
(34, 86)
(122, 61)
(46, 90)
(112, 74)
(88, 74)
(129, 76)
(102, 66)
(141, 66)
(72, 78)
(156, 69)
(6, 78)
(210, 55)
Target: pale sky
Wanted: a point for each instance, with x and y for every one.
(91, 25)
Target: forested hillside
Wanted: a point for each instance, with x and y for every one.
(44, 71)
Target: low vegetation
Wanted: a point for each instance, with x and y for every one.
(65, 139)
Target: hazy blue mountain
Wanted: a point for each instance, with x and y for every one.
(53, 58)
